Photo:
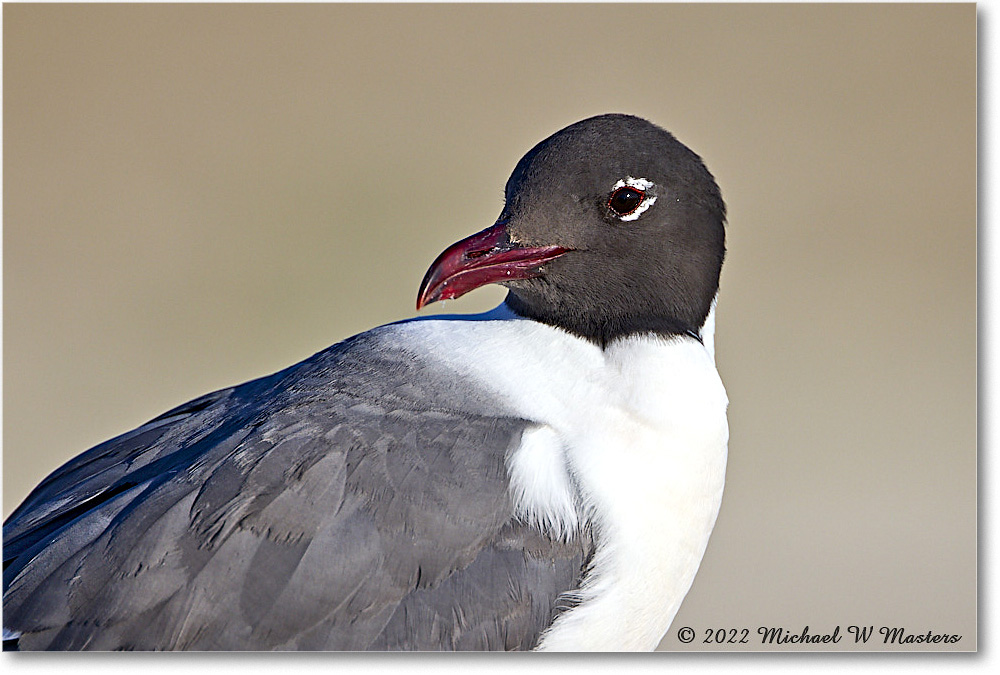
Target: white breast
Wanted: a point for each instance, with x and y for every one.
(632, 439)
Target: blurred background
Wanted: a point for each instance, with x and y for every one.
(194, 196)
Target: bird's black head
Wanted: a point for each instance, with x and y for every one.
(611, 227)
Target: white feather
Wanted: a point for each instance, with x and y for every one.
(541, 488)
(633, 438)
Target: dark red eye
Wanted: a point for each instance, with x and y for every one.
(625, 200)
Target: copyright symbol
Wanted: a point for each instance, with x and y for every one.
(685, 634)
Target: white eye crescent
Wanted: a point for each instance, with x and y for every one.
(630, 197)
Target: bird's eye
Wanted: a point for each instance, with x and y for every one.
(625, 200)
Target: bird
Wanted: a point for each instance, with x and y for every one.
(542, 476)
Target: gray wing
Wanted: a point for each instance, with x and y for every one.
(349, 502)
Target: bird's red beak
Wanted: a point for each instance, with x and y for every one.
(484, 258)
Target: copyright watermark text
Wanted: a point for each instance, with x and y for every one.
(853, 634)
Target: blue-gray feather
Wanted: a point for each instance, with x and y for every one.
(353, 501)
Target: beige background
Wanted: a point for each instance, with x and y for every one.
(195, 196)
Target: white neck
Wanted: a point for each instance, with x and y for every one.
(632, 439)
(652, 491)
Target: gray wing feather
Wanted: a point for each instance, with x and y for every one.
(324, 507)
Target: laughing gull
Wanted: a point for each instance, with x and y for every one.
(542, 476)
